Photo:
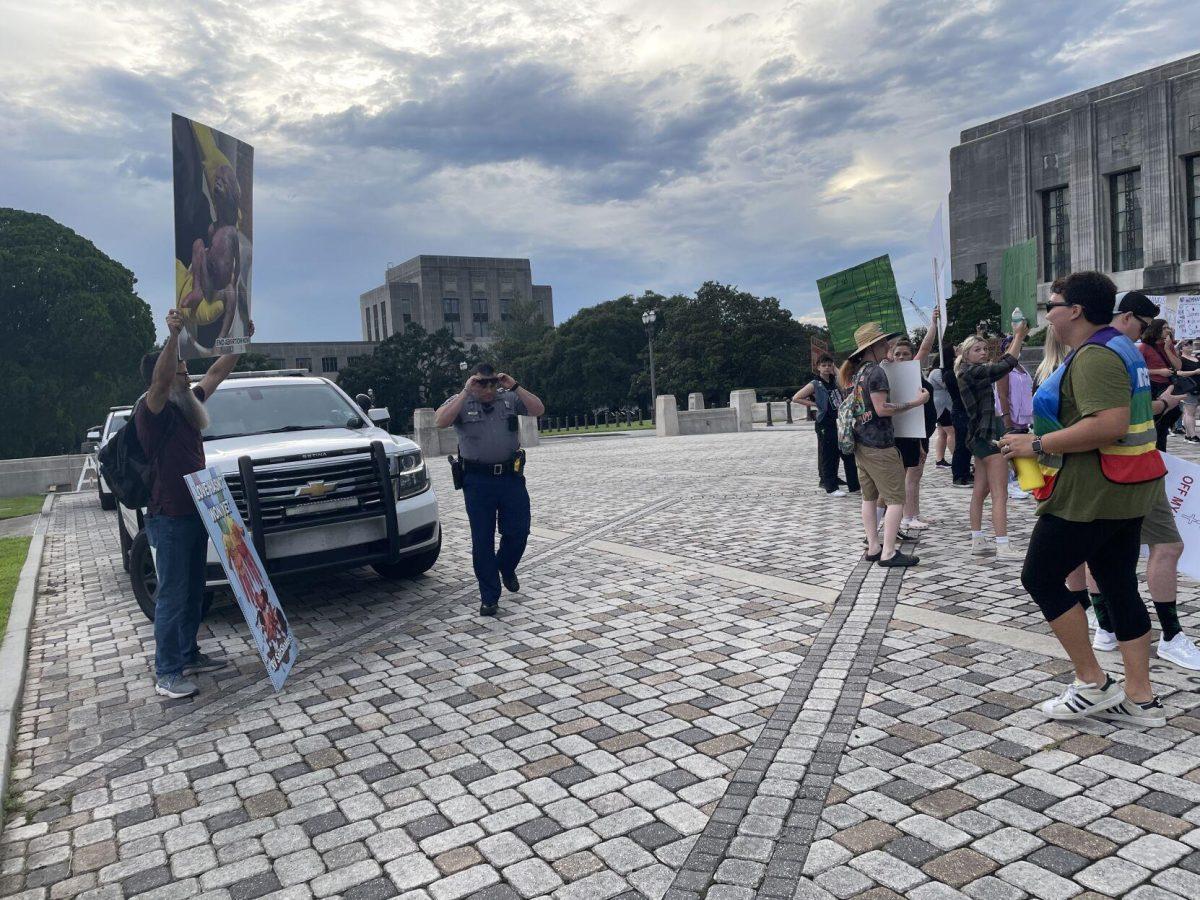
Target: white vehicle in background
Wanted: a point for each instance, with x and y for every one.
(117, 417)
(319, 483)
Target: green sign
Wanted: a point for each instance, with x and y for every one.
(860, 294)
(1018, 279)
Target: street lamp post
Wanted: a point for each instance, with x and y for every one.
(648, 318)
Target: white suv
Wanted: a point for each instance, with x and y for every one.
(117, 417)
(319, 484)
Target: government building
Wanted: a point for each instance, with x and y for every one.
(1108, 179)
(470, 295)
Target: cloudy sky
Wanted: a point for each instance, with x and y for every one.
(620, 145)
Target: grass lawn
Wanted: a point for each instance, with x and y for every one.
(593, 429)
(12, 558)
(11, 507)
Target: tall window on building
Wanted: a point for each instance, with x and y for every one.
(450, 315)
(505, 313)
(479, 316)
(277, 362)
(367, 324)
(383, 318)
(304, 362)
(375, 316)
(1056, 233)
(1193, 206)
(981, 270)
(329, 364)
(1126, 205)
(406, 311)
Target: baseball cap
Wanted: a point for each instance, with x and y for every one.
(1137, 303)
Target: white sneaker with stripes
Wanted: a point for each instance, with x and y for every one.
(1080, 699)
(1130, 712)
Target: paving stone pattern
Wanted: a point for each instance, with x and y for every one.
(630, 726)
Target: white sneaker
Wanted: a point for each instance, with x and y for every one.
(1080, 699)
(1181, 651)
(1006, 552)
(838, 493)
(980, 544)
(1104, 640)
(1093, 622)
(1129, 712)
(914, 524)
(1015, 493)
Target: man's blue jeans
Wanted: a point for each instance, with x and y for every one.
(180, 549)
(492, 500)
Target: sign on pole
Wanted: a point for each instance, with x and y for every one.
(860, 294)
(247, 576)
(1018, 280)
(214, 228)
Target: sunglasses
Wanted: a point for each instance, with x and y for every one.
(486, 382)
(1063, 304)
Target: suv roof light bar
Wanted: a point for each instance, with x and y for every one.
(270, 373)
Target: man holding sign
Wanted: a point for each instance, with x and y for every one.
(169, 419)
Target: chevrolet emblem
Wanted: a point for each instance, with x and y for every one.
(315, 490)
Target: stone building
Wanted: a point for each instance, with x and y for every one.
(1107, 178)
(470, 295)
(326, 358)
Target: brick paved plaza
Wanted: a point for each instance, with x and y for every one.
(700, 692)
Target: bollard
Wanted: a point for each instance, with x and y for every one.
(769, 422)
(789, 411)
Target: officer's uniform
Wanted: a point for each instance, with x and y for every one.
(488, 437)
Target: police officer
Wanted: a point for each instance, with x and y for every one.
(485, 414)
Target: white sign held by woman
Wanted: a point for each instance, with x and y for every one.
(904, 382)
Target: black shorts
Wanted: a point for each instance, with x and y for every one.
(946, 419)
(911, 449)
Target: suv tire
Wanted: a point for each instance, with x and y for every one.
(126, 542)
(410, 566)
(142, 575)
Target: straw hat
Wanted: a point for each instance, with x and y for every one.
(869, 334)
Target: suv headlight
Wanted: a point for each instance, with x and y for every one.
(409, 475)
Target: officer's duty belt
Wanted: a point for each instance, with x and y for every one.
(503, 468)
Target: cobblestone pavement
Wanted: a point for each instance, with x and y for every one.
(700, 692)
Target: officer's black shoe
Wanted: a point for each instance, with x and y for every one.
(486, 610)
(511, 582)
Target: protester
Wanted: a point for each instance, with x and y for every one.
(1158, 350)
(1094, 440)
(1053, 355)
(823, 395)
(913, 451)
(1014, 404)
(169, 419)
(1134, 312)
(960, 460)
(975, 378)
(881, 473)
(485, 416)
(945, 423)
(1189, 365)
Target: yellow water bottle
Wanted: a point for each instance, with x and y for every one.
(1029, 473)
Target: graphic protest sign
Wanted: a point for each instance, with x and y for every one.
(1183, 493)
(860, 294)
(1018, 280)
(247, 577)
(214, 227)
(1187, 317)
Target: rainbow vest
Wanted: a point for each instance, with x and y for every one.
(1134, 459)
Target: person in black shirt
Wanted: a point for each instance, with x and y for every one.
(824, 395)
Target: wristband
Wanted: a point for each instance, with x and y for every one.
(516, 386)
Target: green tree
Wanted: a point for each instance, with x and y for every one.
(410, 370)
(970, 306)
(74, 333)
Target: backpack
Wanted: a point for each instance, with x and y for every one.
(849, 412)
(124, 466)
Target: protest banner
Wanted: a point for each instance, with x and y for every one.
(860, 294)
(247, 576)
(214, 226)
(1183, 493)
(904, 383)
(1186, 320)
(1018, 279)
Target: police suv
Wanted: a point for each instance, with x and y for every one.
(317, 480)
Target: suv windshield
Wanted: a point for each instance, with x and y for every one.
(115, 423)
(237, 410)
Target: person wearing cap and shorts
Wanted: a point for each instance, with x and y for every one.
(880, 471)
(1134, 312)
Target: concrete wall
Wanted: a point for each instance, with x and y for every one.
(435, 441)
(21, 477)
(708, 421)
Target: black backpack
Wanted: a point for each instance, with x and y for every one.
(123, 464)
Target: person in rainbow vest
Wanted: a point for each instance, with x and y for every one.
(1094, 439)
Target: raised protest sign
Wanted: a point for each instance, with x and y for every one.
(904, 383)
(1183, 493)
(1187, 317)
(1018, 279)
(860, 294)
(247, 577)
(214, 226)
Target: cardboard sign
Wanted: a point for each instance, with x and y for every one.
(247, 576)
(904, 382)
(860, 294)
(1186, 320)
(214, 227)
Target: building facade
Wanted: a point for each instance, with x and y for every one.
(1107, 179)
(469, 295)
(326, 358)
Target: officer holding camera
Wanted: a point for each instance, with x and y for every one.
(490, 470)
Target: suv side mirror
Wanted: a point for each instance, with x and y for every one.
(363, 401)
(93, 434)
